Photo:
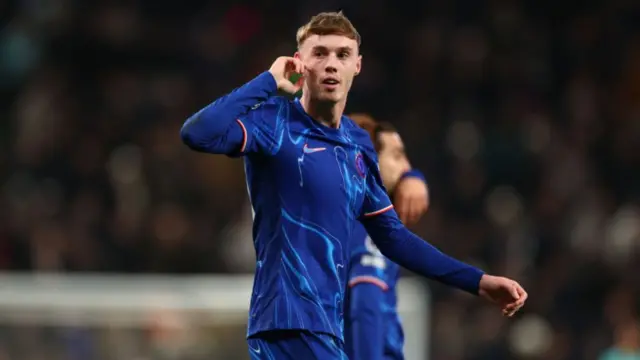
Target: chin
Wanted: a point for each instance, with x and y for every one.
(332, 97)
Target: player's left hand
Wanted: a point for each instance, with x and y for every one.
(508, 294)
(411, 199)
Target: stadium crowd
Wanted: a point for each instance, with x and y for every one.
(524, 115)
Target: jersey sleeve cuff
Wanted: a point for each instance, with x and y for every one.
(414, 173)
(269, 81)
(367, 279)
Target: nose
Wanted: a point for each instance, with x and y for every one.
(331, 65)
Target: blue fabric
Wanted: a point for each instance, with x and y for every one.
(295, 345)
(373, 330)
(414, 173)
(407, 249)
(308, 185)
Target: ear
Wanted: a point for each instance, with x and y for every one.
(358, 64)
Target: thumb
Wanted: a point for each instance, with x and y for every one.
(288, 87)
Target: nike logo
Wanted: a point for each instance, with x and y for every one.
(257, 351)
(307, 150)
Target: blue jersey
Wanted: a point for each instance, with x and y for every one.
(373, 330)
(308, 185)
(367, 265)
(295, 166)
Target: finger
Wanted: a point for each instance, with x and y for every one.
(402, 215)
(299, 66)
(420, 208)
(289, 88)
(410, 210)
(512, 306)
(523, 294)
(510, 312)
(515, 310)
(289, 65)
(507, 312)
(403, 209)
(513, 290)
(414, 211)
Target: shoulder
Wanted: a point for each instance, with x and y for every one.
(274, 102)
(274, 108)
(358, 136)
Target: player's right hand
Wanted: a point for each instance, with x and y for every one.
(283, 69)
(508, 294)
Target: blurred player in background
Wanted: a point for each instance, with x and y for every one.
(312, 174)
(373, 330)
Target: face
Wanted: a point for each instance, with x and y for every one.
(392, 158)
(331, 61)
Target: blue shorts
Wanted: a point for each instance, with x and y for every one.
(295, 345)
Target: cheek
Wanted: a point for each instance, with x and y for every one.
(387, 168)
(312, 67)
(348, 74)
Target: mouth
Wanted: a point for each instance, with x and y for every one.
(331, 83)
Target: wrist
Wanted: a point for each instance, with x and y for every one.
(413, 173)
(269, 79)
(476, 279)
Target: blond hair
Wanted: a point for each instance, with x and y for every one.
(328, 23)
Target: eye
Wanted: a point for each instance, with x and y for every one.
(343, 54)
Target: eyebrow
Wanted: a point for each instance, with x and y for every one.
(341, 48)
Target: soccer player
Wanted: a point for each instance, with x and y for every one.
(312, 174)
(372, 327)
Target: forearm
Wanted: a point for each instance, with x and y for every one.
(214, 128)
(367, 336)
(407, 249)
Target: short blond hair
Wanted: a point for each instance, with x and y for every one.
(328, 23)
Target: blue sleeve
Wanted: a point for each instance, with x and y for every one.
(407, 249)
(229, 124)
(415, 173)
(367, 321)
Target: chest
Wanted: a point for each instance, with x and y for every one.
(323, 172)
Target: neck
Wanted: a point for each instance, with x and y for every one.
(324, 112)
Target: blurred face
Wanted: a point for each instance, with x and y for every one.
(331, 63)
(392, 158)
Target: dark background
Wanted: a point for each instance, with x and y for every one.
(524, 115)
